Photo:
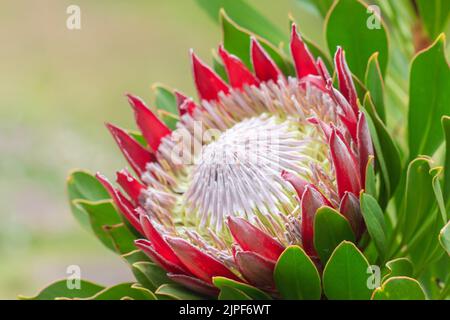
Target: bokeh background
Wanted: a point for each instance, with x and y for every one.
(57, 88)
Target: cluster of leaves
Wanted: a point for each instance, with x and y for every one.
(407, 195)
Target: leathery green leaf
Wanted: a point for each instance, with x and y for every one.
(296, 277)
(399, 288)
(250, 291)
(330, 229)
(429, 99)
(375, 223)
(346, 274)
(361, 36)
(83, 185)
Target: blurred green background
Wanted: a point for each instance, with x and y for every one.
(57, 88)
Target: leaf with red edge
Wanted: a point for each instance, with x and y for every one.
(253, 239)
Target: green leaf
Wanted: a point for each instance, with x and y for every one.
(231, 293)
(121, 237)
(60, 289)
(166, 103)
(101, 213)
(177, 292)
(371, 185)
(322, 6)
(83, 185)
(218, 66)
(152, 275)
(387, 154)
(446, 127)
(330, 229)
(434, 15)
(399, 288)
(375, 84)
(121, 291)
(137, 135)
(246, 16)
(346, 274)
(296, 277)
(359, 42)
(429, 99)
(250, 291)
(444, 237)
(399, 267)
(236, 40)
(417, 208)
(374, 219)
(134, 259)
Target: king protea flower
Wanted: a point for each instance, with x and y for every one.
(244, 172)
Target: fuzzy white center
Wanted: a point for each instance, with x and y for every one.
(239, 173)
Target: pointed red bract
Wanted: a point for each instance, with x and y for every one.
(365, 146)
(123, 204)
(298, 183)
(256, 269)
(347, 115)
(199, 263)
(238, 74)
(151, 127)
(323, 71)
(184, 104)
(326, 129)
(208, 83)
(130, 185)
(136, 155)
(312, 200)
(350, 208)
(180, 97)
(159, 243)
(194, 284)
(345, 166)
(263, 65)
(303, 59)
(148, 249)
(346, 84)
(253, 239)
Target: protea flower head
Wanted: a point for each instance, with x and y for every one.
(244, 172)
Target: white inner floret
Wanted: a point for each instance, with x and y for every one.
(240, 173)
